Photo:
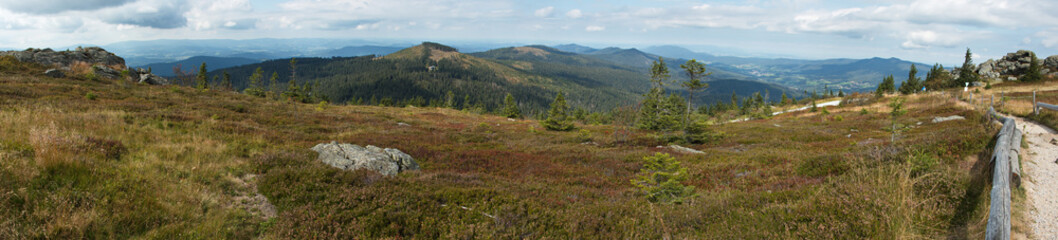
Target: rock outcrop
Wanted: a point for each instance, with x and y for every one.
(51, 58)
(1014, 65)
(103, 64)
(345, 156)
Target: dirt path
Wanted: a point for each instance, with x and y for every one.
(1041, 184)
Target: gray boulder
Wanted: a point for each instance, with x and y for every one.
(345, 156)
(1051, 62)
(55, 73)
(142, 76)
(106, 72)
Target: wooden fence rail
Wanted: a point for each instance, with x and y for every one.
(1007, 169)
(1036, 106)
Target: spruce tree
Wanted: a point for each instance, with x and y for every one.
(510, 107)
(450, 101)
(911, 85)
(558, 116)
(661, 180)
(886, 87)
(226, 81)
(784, 99)
(968, 72)
(466, 102)
(1033, 74)
(695, 72)
(201, 79)
(273, 84)
(255, 88)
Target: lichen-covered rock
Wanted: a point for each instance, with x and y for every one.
(345, 156)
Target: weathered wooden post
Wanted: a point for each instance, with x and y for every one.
(1035, 109)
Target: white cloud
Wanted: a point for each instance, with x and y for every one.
(545, 12)
(575, 13)
(58, 6)
(925, 39)
(594, 28)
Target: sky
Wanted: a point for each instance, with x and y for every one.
(925, 31)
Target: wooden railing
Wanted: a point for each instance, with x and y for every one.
(1007, 169)
(1036, 106)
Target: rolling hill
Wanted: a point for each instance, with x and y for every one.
(620, 67)
(425, 73)
(192, 64)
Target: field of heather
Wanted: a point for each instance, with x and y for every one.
(89, 158)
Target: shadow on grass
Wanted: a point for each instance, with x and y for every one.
(980, 181)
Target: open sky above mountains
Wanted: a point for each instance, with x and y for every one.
(920, 30)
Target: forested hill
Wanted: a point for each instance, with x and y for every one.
(607, 66)
(424, 74)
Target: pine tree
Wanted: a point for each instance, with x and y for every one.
(510, 107)
(784, 99)
(273, 84)
(558, 117)
(201, 79)
(450, 100)
(886, 87)
(255, 88)
(661, 180)
(226, 81)
(968, 72)
(734, 100)
(841, 93)
(911, 85)
(1033, 74)
(659, 73)
(466, 102)
(695, 72)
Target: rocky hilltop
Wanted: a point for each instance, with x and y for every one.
(94, 60)
(1012, 66)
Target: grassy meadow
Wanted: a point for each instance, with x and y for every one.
(87, 158)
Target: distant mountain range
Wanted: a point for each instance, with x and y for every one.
(799, 74)
(809, 75)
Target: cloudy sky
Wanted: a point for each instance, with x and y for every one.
(920, 30)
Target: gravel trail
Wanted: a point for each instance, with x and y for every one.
(1041, 169)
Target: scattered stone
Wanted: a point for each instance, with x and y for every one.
(949, 118)
(55, 73)
(849, 136)
(918, 123)
(776, 125)
(1054, 141)
(742, 174)
(402, 124)
(684, 150)
(345, 156)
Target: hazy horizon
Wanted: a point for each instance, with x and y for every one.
(925, 31)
